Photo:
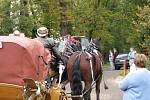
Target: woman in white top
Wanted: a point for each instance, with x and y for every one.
(111, 60)
(131, 57)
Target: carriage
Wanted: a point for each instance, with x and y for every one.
(23, 68)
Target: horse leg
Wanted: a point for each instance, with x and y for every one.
(98, 88)
(71, 86)
(87, 89)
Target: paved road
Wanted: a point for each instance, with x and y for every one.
(113, 93)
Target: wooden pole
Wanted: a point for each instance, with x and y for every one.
(124, 69)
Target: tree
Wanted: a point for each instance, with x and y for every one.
(119, 23)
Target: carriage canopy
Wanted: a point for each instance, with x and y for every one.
(20, 58)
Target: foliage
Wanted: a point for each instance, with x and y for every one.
(119, 23)
(5, 21)
(148, 64)
(144, 29)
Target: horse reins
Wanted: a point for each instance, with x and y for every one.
(81, 96)
(93, 83)
(91, 66)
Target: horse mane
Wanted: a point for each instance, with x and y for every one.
(76, 76)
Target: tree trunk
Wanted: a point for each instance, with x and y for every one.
(25, 10)
(14, 14)
(90, 34)
(63, 15)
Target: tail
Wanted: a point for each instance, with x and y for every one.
(105, 86)
(76, 77)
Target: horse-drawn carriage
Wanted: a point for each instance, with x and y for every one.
(23, 69)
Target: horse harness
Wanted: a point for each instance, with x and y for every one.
(91, 66)
(92, 74)
(89, 54)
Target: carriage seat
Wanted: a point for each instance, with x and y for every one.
(11, 92)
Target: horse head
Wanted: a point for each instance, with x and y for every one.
(92, 46)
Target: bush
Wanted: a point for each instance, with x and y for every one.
(148, 64)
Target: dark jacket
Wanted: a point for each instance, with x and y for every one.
(50, 45)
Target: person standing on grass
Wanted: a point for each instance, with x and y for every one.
(136, 85)
(111, 60)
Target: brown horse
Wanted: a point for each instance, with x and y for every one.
(86, 67)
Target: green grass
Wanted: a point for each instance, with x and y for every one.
(106, 66)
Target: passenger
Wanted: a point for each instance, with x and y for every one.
(17, 33)
(48, 43)
(62, 45)
(136, 85)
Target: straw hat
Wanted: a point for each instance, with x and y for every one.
(42, 31)
(16, 33)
